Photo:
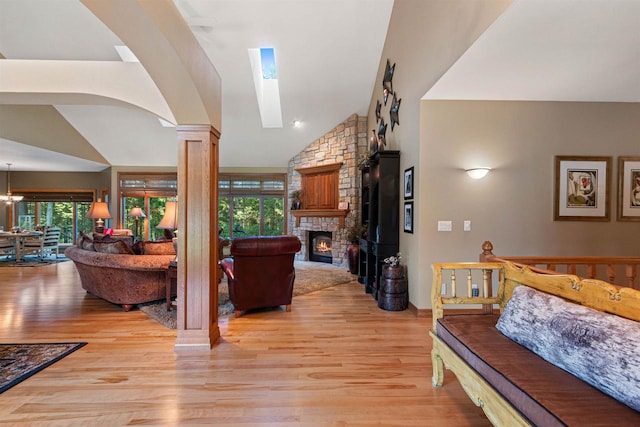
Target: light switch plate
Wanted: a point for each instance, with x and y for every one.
(467, 225)
(444, 226)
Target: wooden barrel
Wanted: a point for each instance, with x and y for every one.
(393, 294)
(396, 272)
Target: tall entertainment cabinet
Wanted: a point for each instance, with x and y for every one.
(380, 195)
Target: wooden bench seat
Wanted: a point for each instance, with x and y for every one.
(545, 394)
(513, 385)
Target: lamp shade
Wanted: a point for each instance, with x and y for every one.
(137, 212)
(170, 218)
(99, 210)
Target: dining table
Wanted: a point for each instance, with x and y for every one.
(17, 238)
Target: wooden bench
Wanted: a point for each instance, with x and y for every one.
(511, 384)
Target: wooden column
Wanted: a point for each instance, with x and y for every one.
(197, 302)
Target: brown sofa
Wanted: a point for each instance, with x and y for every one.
(124, 279)
(261, 272)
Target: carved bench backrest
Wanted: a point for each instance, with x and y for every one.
(617, 270)
(450, 288)
(596, 294)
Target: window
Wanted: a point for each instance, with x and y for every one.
(67, 210)
(248, 204)
(150, 192)
(251, 205)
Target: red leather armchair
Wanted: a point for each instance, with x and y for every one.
(261, 272)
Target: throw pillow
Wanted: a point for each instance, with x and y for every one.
(79, 240)
(85, 242)
(160, 247)
(137, 247)
(601, 349)
(114, 247)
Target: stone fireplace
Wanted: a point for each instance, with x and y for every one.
(340, 145)
(320, 243)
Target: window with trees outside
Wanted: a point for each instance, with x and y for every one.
(150, 192)
(251, 204)
(67, 210)
(248, 204)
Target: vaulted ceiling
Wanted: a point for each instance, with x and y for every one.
(327, 54)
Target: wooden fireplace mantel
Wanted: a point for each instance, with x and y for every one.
(341, 214)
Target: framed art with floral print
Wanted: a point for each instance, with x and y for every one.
(582, 186)
(628, 188)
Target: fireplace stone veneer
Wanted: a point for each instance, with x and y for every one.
(340, 145)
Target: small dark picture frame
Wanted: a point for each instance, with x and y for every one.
(408, 183)
(408, 217)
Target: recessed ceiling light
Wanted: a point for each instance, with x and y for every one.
(297, 124)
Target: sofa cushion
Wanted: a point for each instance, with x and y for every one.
(160, 247)
(601, 349)
(112, 247)
(108, 238)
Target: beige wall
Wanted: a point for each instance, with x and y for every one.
(92, 181)
(424, 39)
(513, 205)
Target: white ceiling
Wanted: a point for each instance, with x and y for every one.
(552, 50)
(327, 53)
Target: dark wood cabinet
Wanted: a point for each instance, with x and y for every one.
(364, 220)
(380, 193)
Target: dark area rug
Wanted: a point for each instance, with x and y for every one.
(20, 361)
(310, 277)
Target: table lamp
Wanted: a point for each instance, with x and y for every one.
(99, 211)
(170, 222)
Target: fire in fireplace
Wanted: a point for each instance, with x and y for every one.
(320, 246)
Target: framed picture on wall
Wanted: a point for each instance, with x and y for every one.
(628, 188)
(408, 183)
(408, 217)
(581, 190)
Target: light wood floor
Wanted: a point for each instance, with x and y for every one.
(335, 360)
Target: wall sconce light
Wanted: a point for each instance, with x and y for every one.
(478, 173)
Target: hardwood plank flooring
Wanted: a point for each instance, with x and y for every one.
(334, 360)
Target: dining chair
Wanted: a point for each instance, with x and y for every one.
(47, 242)
(7, 247)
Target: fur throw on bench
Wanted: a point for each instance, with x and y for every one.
(577, 339)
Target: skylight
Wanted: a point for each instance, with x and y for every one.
(268, 61)
(265, 79)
